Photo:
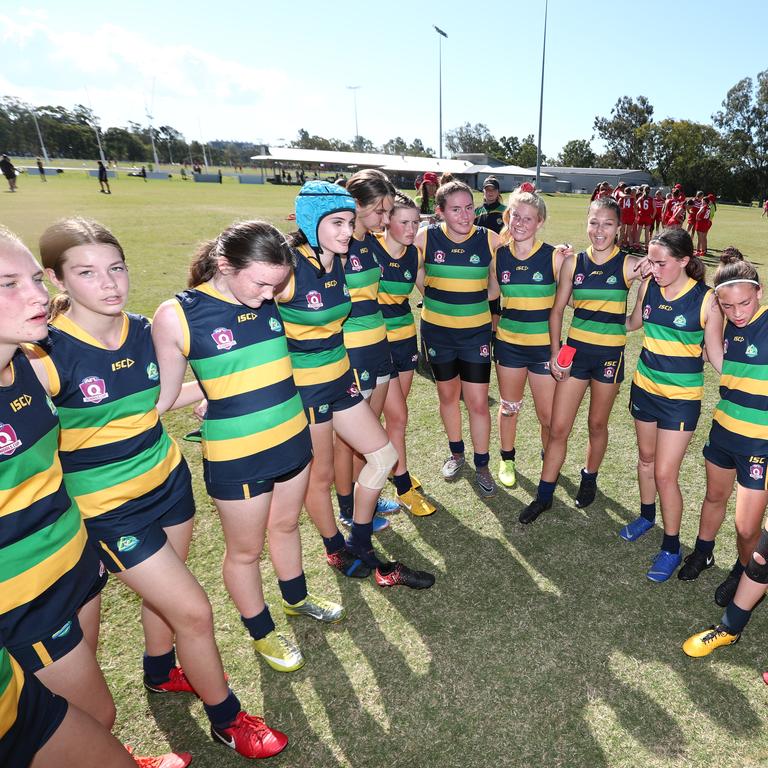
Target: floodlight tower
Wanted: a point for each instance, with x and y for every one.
(39, 135)
(541, 95)
(441, 35)
(151, 129)
(355, 89)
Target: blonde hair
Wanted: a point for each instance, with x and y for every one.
(521, 198)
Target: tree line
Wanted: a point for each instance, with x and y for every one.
(729, 155)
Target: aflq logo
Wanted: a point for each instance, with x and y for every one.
(9, 442)
(224, 338)
(314, 300)
(94, 389)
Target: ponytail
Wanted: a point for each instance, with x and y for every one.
(203, 266)
(60, 303)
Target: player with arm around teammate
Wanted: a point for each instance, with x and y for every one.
(457, 278)
(737, 449)
(127, 475)
(597, 281)
(313, 306)
(678, 313)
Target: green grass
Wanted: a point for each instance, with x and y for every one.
(542, 645)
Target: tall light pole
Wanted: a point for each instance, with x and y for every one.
(541, 95)
(39, 135)
(354, 89)
(441, 35)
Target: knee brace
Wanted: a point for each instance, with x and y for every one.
(377, 466)
(510, 407)
(755, 570)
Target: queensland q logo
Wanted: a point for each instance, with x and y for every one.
(578, 279)
(484, 350)
(94, 389)
(355, 263)
(506, 276)
(646, 311)
(224, 338)
(439, 257)
(314, 300)
(756, 471)
(9, 442)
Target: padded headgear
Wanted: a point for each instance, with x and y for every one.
(315, 201)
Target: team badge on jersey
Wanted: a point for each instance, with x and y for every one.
(474, 259)
(345, 289)
(322, 408)
(274, 325)
(364, 376)
(439, 257)
(314, 300)
(751, 351)
(63, 632)
(506, 276)
(537, 277)
(407, 274)
(353, 390)
(484, 350)
(756, 471)
(415, 358)
(9, 440)
(646, 311)
(680, 321)
(94, 389)
(611, 280)
(355, 263)
(127, 543)
(725, 345)
(431, 352)
(609, 372)
(50, 405)
(578, 279)
(224, 338)
(153, 374)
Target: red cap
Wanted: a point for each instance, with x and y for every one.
(711, 197)
(526, 186)
(678, 186)
(429, 178)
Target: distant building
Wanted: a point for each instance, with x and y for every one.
(586, 179)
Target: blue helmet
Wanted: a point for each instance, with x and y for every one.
(315, 201)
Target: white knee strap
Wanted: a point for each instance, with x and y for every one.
(377, 466)
(510, 407)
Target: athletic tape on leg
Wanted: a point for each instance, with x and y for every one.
(759, 571)
(510, 407)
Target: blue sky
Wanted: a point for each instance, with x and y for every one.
(260, 71)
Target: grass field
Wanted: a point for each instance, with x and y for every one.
(538, 646)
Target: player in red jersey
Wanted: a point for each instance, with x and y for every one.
(694, 204)
(658, 203)
(645, 214)
(628, 233)
(702, 225)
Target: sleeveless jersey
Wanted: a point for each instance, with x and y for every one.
(599, 303)
(313, 310)
(120, 465)
(365, 334)
(255, 428)
(398, 276)
(528, 288)
(47, 567)
(645, 208)
(456, 282)
(671, 364)
(741, 417)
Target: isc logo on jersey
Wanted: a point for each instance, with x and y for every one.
(314, 300)
(94, 389)
(9, 441)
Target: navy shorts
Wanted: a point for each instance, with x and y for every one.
(124, 551)
(603, 368)
(348, 394)
(233, 492)
(405, 355)
(449, 345)
(40, 654)
(676, 415)
(751, 471)
(370, 365)
(39, 714)
(515, 356)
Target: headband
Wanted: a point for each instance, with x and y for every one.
(736, 280)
